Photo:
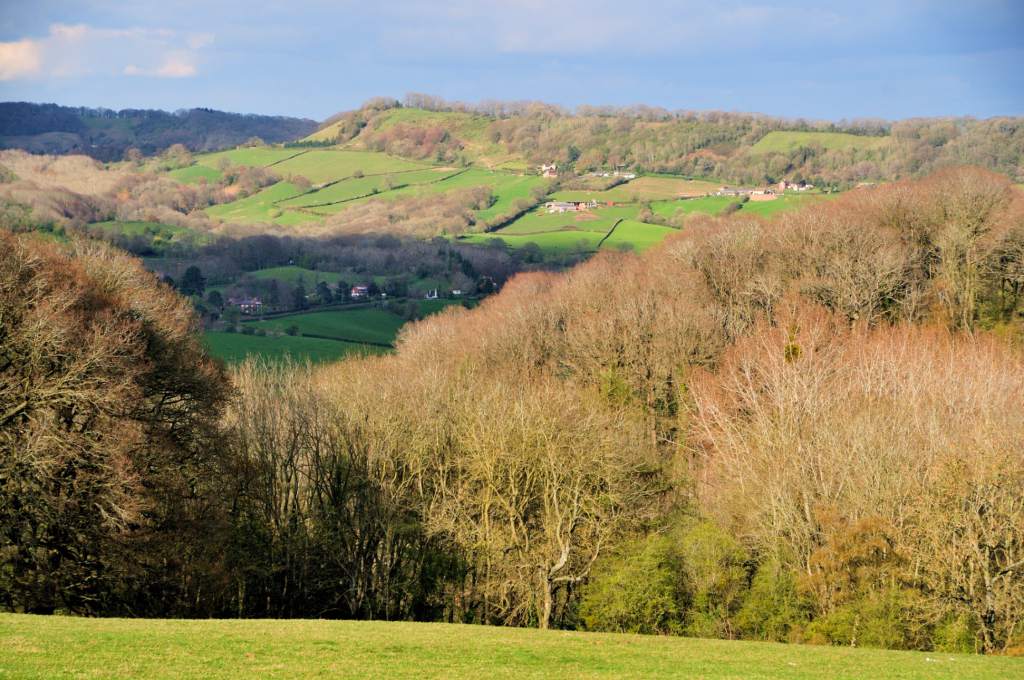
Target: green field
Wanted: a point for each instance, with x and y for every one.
(290, 274)
(365, 325)
(37, 647)
(641, 235)
(785, 142)
(250, 158)
(355, 187)
(235, 347)
(259, 207)
(549, 242)
(712, 205)
(328, 165)
(191, 174)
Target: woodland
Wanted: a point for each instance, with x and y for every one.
(802, 429)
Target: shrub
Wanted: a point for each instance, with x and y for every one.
(635, 591)
(292, 330)
(248, 329)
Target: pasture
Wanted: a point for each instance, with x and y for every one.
(290, 274)
(236, 347)
(260, 207)
(565, 241)
(785, 142)
(37, 647)
(639, 234)
(354, 187)
(193, 173)
(250, 158)
(322, 166)
(361, 325)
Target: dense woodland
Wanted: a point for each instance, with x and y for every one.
(805, 429)
(109, 135)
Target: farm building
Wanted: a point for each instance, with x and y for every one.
(247, 305)
(565, 206)
(359, 291)
(737, 191)
(547, 170)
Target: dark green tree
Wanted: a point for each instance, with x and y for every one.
(192, 282)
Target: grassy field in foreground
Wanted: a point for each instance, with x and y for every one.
(45, 647)
(235, 347)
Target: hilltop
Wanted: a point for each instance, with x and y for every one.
(109, 135)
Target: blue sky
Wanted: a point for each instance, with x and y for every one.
(816, 60)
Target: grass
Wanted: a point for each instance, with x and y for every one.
(355, 187)
(642, 188)
(550, 242)
(260, 207)
(290, 274)
(784, 142)
(250, 158)
(712, 205)
(191, 174)
(329, 165)
(235, 347)
(365, 325)
(641, 235)
(36, 647)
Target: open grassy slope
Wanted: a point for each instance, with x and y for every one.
(250, 158)
(260, 207)
(639, 234)
(784, 142)
(329, 165)
(47, 647)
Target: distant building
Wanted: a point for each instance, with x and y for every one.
(730, 191)
(359, 291)
(247, 305)
(549, 170)
(565, 206)
(431, 294)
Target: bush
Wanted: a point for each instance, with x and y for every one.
(261, 333)
(773, 610)
(292, 330)
(635, 591)
(229, 327)
(248, 330)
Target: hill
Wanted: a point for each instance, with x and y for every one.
(43, 647)
(107, 135)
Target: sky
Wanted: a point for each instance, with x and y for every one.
(816, 60)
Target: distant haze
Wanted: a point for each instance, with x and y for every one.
(816, 60)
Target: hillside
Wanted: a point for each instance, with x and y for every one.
(107, 135)
(732, 147)
(120, 649)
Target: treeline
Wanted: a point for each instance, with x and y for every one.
(794, 430)
(149, 131)
(714, 144)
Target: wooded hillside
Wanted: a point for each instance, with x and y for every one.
(805, 429)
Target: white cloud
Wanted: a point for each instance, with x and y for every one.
(18, 59)
(81, 50)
